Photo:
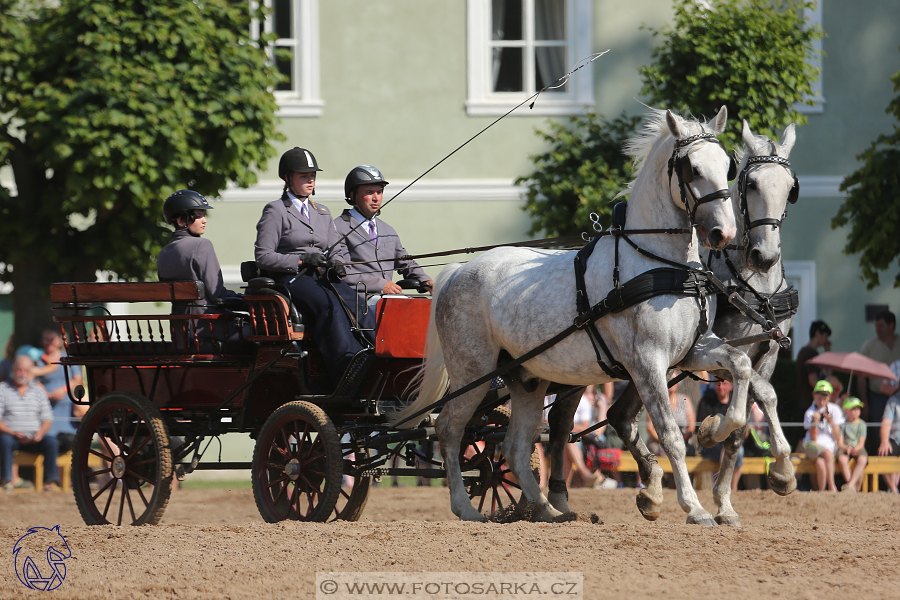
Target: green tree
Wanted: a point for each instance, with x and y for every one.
(581, 173)
(750, 55)
(107, 107)
(872, 205)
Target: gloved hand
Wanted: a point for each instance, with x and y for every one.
(313, 260)
(334, 273)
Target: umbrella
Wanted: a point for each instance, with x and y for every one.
(853, 362)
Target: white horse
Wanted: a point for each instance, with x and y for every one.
(509, 301)
(760, 196)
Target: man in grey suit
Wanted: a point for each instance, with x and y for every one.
(371, 241)
(292, 237)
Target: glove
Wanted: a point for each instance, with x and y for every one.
(335, 273)
(312, 260)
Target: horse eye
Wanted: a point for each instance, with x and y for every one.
(696, 172)
(751, 184)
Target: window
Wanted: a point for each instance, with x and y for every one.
(813, 16)
(517, 47)
(296, 25)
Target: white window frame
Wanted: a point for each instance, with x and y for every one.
(305, 99)
(813, 16)
(802, 275)
(482, 101)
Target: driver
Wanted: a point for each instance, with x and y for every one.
(292, 236)
(373, 242)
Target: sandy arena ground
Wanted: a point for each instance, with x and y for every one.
(213, 544)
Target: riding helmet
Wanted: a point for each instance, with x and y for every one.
(181, 203)
(361, 175)
(297, 160)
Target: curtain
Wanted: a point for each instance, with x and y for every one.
(549, 24)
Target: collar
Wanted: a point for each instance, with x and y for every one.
(298, 202)
(354, 212)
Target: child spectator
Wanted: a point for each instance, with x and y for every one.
(851, 444)
(822, 422)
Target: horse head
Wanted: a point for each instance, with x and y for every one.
(699, 170)
(764, 188)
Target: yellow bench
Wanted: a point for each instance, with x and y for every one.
(30, 459)
(877, 465)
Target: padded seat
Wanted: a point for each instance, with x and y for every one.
(156, 348)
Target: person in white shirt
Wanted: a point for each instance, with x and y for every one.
(822, 422)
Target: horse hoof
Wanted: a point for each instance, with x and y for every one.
(780, 486)
(558, 501)
(704, 433)
(649, 509)
(472, 515)
(704, 520)
(547, 514)
(731, 521)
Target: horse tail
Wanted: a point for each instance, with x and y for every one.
(431, 380)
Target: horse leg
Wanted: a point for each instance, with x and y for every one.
(561, 419)
(726, 514)
(524, 426)
(712, 354)
(450, 427)
(782, 478)
(623, 417)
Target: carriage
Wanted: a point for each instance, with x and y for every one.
(163, 387)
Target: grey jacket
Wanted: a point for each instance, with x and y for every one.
(189, 258)
(282, 234)
(385, 255)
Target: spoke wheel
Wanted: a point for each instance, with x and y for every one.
(495, 487)
(124, 477)
(297, 465)
(352, 499)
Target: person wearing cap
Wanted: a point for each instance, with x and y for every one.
(370, 241)
(296, 245)
(822, 422)
(189, 256)
(808, 375)
(852, 444)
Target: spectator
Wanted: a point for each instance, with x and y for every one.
(808, 375)
(25, 419)
(685, 418)
(822, 422)
(838, 395)
(890, 433)
(874, 392)
(718, 404)
(591, 404)
(851, 444)
(54, 381)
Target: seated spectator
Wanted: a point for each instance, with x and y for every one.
(25, 419)
(685, 417)
(890, 434)
(718, 405)
(852, 444)
(64, 412)
(822, 422)
(589, 408)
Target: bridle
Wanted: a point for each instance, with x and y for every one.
(681, 165)
(752, 162)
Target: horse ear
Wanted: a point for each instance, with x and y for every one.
(720, 120)
(674, 125)
(788, 138)
(747, 135)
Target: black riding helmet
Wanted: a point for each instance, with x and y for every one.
(361, 175)
(181, 203)
(299, 160)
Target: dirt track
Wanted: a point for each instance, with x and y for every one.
(213, 544)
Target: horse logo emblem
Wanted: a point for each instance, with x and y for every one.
(47, 545)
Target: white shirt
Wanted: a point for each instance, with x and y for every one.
(368, 224)
(825, 437)
(302, 205)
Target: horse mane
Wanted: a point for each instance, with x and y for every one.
(760, 139)
(654, 131)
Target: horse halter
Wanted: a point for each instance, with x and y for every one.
(755, 161)
(683, 170)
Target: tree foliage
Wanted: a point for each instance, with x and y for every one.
(750, 55)
(107, 107)
(581, 173)
(872, 205)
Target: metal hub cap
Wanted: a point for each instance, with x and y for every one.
(292, 469)
(118, 467)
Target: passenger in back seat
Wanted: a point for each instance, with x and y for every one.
(292, 236)
(190, 257)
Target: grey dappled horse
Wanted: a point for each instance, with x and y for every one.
(768, 184)
(509, 301)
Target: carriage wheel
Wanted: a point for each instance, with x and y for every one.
(495, 485)
(352, 500)
(132, 483)
(297, 465)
